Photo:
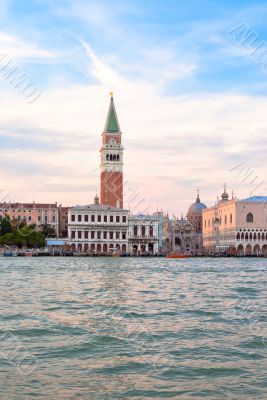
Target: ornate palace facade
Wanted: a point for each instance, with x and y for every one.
(239, 226)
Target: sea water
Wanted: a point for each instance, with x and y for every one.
(133, 328)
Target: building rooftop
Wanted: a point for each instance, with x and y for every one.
(112, 123)
(98, 207)
(143, 216)
(27, 205)
(255, 199)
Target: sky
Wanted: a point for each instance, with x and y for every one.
(190, 95)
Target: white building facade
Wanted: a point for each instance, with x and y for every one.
(98, 229)
(143, 234)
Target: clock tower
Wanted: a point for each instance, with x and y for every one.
(111, 186)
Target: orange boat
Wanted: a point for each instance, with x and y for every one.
(178, 255)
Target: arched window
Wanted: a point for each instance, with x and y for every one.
(250, 217)
(242, 236)
(255, 236)
(246, 236)
(231, 218)
(225, 219)
(177, 241)
(118, 157)
(135, 230)
(107, 157)
(250, 236)
(238, 236)
(114, 157)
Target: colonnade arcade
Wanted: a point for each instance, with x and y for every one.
(98, 248)
(251, 242)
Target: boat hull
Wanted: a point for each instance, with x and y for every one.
(178, 256)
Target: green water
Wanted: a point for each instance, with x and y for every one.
(121, 328)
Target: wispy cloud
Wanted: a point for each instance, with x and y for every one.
(173, 88)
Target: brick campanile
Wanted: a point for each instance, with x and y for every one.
(111, 186)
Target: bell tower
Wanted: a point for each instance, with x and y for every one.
(111, 186)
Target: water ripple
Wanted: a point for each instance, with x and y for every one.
(100, 328)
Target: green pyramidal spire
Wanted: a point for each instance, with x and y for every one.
(112, 123)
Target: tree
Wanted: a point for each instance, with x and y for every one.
(7, 239)
(6, 226)
(48, 230)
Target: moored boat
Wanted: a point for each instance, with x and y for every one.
(9, 254)
(178, 255)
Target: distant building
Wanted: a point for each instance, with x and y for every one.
(63, 221)
(98, 229)
(194, 216)
(32, 213)
(184, 235)
(236, 226)
(143, 234)
(180, 236)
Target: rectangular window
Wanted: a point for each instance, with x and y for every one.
(98, 235)
(117, 235)
(92, 234)
(111, 218)
(86, 218)
(111, 235)
(79, 234)
(54, 218)
(30, 218)
(45, 218)
(86, 234)
(124, 218)
(72, 217)
(117, 218)
(105, 218)
(92, 218)
(73, 234)
(79, 218)
(124, 236)
(99, 218)
(105, 234)
(39, 218)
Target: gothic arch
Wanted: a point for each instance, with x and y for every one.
(177, 241)
(257, 250)
(240, 250)
(248, 250)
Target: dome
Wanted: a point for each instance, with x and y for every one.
(197, 207)
(225, 195)
(96, 199)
